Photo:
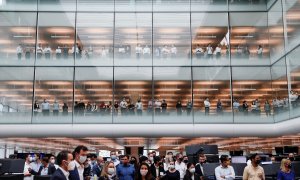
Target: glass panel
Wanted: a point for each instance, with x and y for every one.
(171, 5)
(250, 92)
(95, 38)
(54, 93)
(16, 92)
(57, 5)
(276, 35)
(95, 5)
(293, 66)
(210, 39)
(172, 40)
(209, 5)
(133, 90)
(212, 96)
(133, 5)
(93, 95)
(18, 37)
(280, 91)
(17, 5)
(249, 39)
(247, 5)
(56, 39)
(133, 39)
(172, 93)
(292, 10)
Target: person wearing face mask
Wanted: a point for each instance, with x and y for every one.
(199, 166)
(180, 165)
(286, 172)
(35, 163)
(157, 169)
(27, 168)
(45, 168)
(125, 171)
(291, 157)
(109, 172)
(254, 171)
(190, 173)
(224, 171)
(113, 157)
(52, 162)
(185, 160)
(150, 157)
(144, 173)
(133, 161)
(172, 173)
(80, 155)
(64, 160)
(168, 159)
(87, 172)
(97, 168)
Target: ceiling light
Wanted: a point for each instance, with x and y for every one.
(22, 36)
(60, 36)
(211, 89)
(211, 37)
(248, 36)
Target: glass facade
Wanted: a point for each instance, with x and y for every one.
(149, 61)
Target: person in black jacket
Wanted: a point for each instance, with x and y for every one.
(172, 173)
(64, 158)
(199, 166)
(190, 173)
(157, 170)
(144, 173)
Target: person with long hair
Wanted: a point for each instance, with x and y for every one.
(144, 173)
(108, 172)
(172, 173)
(285, 172)
(190, 173)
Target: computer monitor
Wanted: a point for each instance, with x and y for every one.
(238, 159)
(11, 166)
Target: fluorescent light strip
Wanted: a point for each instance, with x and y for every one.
(213, 37)
(248, 36)
(56, 36)
(22, 36)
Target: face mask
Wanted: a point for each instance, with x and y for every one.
(71, 166)
(186, 161)
(52, 161)
(289, 166)
(113, 157)
(111, 171)
(82, 159)
(132, 161)
(192, 170)
(151, 158)
(258, 161)
(172, 166)
(143, 172)
(180, 159)
(90, 162)
(33, 159)
(102, 164)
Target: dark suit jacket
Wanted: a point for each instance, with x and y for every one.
(153, 170)
(58, 175)
(74, 175)
(198, 170)
(97, 170)
(51, 170)
(188, 176)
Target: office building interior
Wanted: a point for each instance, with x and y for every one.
(157, 74)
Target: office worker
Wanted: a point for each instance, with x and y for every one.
(45, 169)
(180, 165)
(173, 51)
(259, 51)
(164, 106)
(35, 164)
(27, 52)
(64, 161)
(165, 51)
(286, 172)
(254, 171)
(146, 51)
(199, 166)
(172, 173)
(199, 52)
(218, 51)
(224, 171)
(179, 107)
(80, 156)
(58, 52)
(39, 51)
(27, 168)
(245, 107)
(108, 172)
(55, 108)
(246, 52)
(65, 52)
(267, 108)
(138, 51)
(47, 51)
(139, 107)
(189, 107)
(157, 170)
(98, 167)
(19, 51)
(209, 51)
(191, 173)
(206, 106)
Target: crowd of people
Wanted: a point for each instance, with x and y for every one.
(160, 107)
(80, 165)
(141, 51)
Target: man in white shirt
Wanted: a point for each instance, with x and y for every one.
(209, 51)
(254, 171)
(224, 171)
(64, 160)
(36, 163)
(123, 106)
(47, 51)
(80, 155)
(173, 51)
(180, 166)
(27, 168)
(58, 53)
(236, 106)
(138, 51)
(39, 51)
(19, 51)
(113, 157)
(146, 52)
(45, 108)
(207, 106)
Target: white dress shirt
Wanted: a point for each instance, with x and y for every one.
(206, 103)
(66, 173)
(228, 172)
(26, 167)
(19, 49)
(80, 169)
(181, 168)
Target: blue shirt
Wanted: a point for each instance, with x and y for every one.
(125, 172)
(285, 176)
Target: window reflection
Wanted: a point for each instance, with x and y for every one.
(55, 45)
(171, 5)
(17, 43)
(95, 39)
(57, 5)
(16, 90)
(292, 12)
(247, 5)
(249, 39)
(211, 5)
(129, 5)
